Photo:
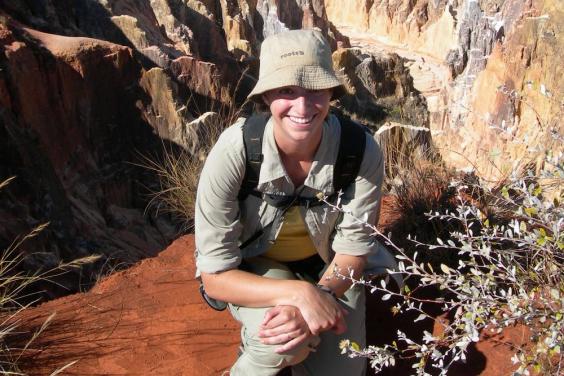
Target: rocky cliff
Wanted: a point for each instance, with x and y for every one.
(71, 125)
(507, 103)
(88, 87)
(503, 101)
(427, 26)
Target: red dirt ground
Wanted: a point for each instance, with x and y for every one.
(147, 320)
(150, 320)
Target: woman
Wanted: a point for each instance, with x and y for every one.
(280, 285)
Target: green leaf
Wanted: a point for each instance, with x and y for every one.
(505, 193)
(531, 211)
(541, 241)
(355, 346)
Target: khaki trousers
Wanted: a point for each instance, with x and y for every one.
(320, 356)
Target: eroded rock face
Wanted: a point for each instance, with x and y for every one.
(165, 113)
(70, 128)
(380, 88)
(247, 23)
(505, 69)
(504, 106)
(381, 94)
(423, 25)
(159, 31)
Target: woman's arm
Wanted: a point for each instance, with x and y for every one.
(344, 264)
(320, 310)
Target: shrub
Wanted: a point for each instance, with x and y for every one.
(509, 244)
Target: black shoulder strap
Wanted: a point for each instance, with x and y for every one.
(351, 153)
(253, 130)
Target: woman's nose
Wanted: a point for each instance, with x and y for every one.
(302, 102)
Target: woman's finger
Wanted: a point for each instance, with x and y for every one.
(282, 338)
(287, 327)
(293, 343)
(270, 314)
(281, 315)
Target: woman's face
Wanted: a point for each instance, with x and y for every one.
(298, 113)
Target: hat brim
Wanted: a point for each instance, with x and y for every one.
(311, 77)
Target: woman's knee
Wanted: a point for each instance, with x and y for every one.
(267, 356)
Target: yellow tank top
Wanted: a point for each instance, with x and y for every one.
(293, 242)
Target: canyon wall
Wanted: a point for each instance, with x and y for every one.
(71, 129)
(503, 102)
(427, 26)
(512, 111)
(88, 89)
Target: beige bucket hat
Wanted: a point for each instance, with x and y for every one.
(296, 58)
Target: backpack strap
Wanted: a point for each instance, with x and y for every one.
(351, 153)
(253, 130)
(345, 171)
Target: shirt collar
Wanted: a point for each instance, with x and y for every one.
(273, 177)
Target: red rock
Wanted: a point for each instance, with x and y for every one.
(70, 123)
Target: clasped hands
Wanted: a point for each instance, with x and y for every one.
(289, 325)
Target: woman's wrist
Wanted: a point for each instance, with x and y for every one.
(328, 290)
(295, 293)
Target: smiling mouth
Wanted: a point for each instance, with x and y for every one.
(301, 120)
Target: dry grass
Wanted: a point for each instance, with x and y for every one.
(15, 286)
(420, 183)
(178, 171)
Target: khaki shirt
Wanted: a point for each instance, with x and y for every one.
(222, 223)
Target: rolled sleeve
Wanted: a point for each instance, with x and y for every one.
(361, 200)
(217, 224)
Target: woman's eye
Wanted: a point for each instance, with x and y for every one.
(318, 93)
(285, 91)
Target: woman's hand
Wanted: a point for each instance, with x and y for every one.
(284, 325)
(321, 311)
